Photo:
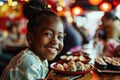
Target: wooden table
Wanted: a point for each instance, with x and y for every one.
(92, 75)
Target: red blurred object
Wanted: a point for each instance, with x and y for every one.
(77, 10)
(24, 30)
(115, 3)
(95, 2)
(105, 6)
(52, 3)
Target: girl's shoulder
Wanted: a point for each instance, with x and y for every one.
(28, 58)
(25, 59)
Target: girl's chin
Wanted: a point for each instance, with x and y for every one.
(51, 58)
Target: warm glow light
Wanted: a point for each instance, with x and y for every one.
(95, 2)
(26, 0)
(59, 8)
(10, 2)
(49, 6)
(1, 3)
(77, 10)
(14, 3)
(106, 7)
(61, 2)
(94, 75)
(72, 1)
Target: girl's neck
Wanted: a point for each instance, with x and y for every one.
(37, 53)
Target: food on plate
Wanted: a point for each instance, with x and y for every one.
(70, 57)
(112, 63)
(82, 58)
(65, 65)
(86, 67)
(72, 66)
(79, 65)
(60, 67)
(117, 59)
(100, 63)
(63, 57)
(74, 58)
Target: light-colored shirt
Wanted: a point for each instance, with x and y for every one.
(25, 66)
(114, 31)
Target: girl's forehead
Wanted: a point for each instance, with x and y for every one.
(51, 24)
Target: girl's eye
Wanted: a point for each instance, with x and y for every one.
(60, 37)
(48, 34)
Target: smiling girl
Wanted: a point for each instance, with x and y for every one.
(45, 39)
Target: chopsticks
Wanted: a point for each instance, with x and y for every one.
(76, 77)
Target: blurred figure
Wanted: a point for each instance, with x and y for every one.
(104, 46)
(112, 26)
(83, 32)
(100, 40)
(110, 47)
(72, 39)
(15, 37)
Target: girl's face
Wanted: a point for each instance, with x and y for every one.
(47, 39)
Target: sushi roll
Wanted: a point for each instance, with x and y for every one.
(72, 66)
(82, 58)
(63, 57)
(112, 63)
(86, 67)
(60, 67)
(100, 63)
(79, 65)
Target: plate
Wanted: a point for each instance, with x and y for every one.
(107, 71)
(70, 72)
(84, 59)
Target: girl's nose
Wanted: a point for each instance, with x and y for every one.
(54, 40)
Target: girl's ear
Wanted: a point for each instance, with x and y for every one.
(29, 38)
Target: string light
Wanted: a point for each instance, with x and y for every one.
(95, 2)
(59, 8)
(77, 10)
(105, 6)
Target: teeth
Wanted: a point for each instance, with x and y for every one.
(52, 50)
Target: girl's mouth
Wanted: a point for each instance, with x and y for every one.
(52, 50)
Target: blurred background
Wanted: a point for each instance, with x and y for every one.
(84, 15)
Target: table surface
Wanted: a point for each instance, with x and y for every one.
(92, 75)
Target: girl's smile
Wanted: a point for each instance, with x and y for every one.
(47, 38)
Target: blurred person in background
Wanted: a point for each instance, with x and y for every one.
(72, 39)
(15, 36)
(100, 40)
(111, 24)
(104, 45)
(83, 32)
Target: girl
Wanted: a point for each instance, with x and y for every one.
(45, 38)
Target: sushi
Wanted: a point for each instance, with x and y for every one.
(112, 63)
(100, 63)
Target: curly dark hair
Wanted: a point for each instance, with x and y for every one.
(110, 15)
(35, 11)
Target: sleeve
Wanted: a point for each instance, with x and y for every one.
(116, 30)
(27, 69)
